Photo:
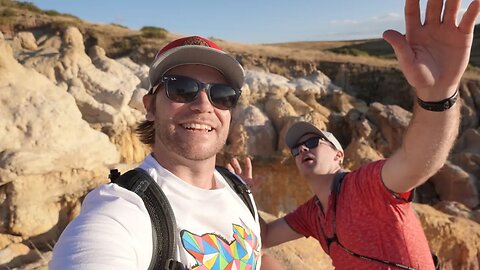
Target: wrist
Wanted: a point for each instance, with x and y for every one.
(440, 105)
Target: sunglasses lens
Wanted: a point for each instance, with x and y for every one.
(182, 90)
(295, 151)
(223, 96)
(312, 142)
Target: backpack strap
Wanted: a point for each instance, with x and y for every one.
(337, 182)
(238, 186)
(161, 216)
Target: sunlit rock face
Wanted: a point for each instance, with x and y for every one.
(68, 114)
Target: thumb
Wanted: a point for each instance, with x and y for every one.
(400, 46)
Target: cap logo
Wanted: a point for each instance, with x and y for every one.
(196, 41)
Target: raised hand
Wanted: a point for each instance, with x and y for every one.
(246, 173)
(434, 55)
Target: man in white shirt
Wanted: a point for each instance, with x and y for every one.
(194, 86)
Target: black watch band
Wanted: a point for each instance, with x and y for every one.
(439, 106)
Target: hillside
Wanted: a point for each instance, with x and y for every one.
(371, 47)
(141, 45)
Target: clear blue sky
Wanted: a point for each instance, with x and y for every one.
(247, 21)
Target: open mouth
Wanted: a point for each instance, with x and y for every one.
(307, 158)
(197, 127)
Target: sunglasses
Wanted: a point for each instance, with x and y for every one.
(310, 144)
(182, 89)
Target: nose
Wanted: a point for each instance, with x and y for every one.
(202, 102)
(303, 148)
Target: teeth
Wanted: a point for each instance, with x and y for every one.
(197, 126)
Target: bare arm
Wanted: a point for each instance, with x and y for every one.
(277, 232)
(433, 57)
(272, 233)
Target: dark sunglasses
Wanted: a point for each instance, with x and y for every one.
(184, 89)
(310, 144)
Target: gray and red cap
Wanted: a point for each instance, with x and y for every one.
(195, 50)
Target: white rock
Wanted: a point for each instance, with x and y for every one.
(25, 40)
(41, 126)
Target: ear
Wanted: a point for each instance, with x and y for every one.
(149, 104)
(339, 156)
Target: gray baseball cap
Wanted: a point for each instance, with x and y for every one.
(195, 50)
(297, 130)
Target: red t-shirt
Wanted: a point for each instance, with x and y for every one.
(370, 221)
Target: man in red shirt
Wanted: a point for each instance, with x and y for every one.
(364, 219)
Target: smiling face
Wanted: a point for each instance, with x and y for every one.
(195, 130)
(320, 160)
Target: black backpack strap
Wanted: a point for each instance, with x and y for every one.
(238, 186)
(161, 215)
(337, 182)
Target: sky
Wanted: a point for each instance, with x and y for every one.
(247, 21)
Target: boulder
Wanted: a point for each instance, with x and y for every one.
(25, 40)
(45, 140)
(391, 121)
(458, 210)
(455, 240)
(102, 87)
(252, 133)
(454, 184)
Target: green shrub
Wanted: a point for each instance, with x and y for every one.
(56, 13)
(119, 25)
(29, 6)
(153, 32)
(8, 12)
(52, 13)
(350, 51)
(6, 3)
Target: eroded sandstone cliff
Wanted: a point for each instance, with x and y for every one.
(68, 110)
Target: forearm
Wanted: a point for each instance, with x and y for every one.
(425, 148)
(276, 232)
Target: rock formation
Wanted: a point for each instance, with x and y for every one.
(67, 116)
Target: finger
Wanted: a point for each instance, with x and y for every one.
(467, 23)
(412, 15)
(236, 165)
(434, 12)
(451, 11)
(248, 167)
(230, 168)
(400, 46)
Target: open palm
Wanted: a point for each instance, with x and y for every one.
(434, 55)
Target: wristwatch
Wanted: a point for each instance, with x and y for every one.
(439, 106)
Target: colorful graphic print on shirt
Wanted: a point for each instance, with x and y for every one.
(212, 252)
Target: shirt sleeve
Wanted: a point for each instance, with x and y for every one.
(113, 231)
(303, 220)
(368, 179)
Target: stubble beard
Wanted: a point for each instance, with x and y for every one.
(187, 148)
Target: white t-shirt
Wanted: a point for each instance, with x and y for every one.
(215, 229)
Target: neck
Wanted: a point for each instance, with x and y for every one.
(198, 173)
(321, 185)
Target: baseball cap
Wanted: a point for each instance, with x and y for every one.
(297, 130)
(195, 50)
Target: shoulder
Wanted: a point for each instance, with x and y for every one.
(113, 229)
(110, 197)
(369, 170)
(367, 182)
